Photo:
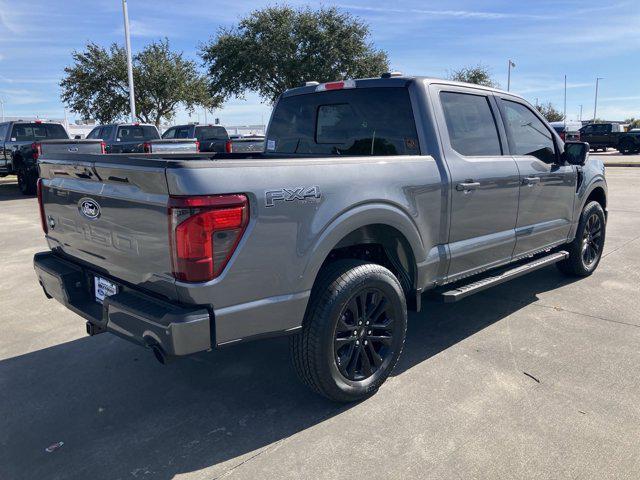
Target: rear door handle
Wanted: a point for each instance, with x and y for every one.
(531, 181)
(466, 186)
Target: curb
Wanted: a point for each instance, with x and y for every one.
(620, 164)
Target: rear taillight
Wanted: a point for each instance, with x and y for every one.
(562, 136)
(146, 147)
(197, 146)
(204, 232)
(37, 150)
(228, 146)
(103, 147)
(43, 219)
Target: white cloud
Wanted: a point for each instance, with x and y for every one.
(443, 13)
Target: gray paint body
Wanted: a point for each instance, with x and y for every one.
(266, 286)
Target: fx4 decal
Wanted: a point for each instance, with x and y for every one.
(293, 194)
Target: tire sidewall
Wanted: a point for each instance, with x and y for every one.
(590, 209)
(390, 287)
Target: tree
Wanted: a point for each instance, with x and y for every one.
(633, 122)
(479, 74)
(549, 112)
(279, 47)
(96, 85)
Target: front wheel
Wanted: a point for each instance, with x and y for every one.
(353, 332)
(585, 251)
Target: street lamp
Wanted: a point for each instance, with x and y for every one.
(511, 64)
(595, 105)
(127, 42)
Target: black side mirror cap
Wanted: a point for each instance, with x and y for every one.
(575, 153)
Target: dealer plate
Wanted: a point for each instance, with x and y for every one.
(104, 288)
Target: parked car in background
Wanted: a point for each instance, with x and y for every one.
(212, 138)
(247, 143)
(21, 144)
(568, 131)
(369, 193)
(125, 137)
(601, 136)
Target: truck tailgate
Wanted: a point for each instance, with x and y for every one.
(112, 215)
(49, 147)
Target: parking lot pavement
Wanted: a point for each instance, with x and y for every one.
(613, 158)
(537, 378)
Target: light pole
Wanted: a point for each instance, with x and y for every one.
(2, 105)
(581, 113)
(595, 105)
(127, 42)
(565, 101)
(511, 64)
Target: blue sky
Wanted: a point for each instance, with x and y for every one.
(546, 39)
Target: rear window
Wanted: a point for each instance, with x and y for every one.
(24, 132)
(366, 121)
(132, 133)
(211, 133)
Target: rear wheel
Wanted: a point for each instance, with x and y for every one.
(353, 332)
(627, 147)
(26, 181)
(585, 251)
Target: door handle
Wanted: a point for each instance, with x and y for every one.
(466, 186)
(531, 181)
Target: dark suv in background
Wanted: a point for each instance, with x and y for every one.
(125, 137)
(212, 138)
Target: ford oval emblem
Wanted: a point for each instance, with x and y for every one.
(89, 208)
(73, 149)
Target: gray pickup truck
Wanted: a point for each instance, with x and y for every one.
(370, 193)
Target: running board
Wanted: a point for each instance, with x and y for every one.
(469, 289)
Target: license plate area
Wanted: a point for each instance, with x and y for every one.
(103, 288)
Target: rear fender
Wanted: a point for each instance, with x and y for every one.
(353, 219)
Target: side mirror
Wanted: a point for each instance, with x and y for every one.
(575, 153)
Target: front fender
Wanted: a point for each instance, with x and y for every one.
(353, 219)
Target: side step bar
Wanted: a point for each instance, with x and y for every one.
(469, 289)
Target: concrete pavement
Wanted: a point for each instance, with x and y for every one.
(534, 379)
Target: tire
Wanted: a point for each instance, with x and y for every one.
(356, 310)
(627, 148)
(26, 181)
(590, 237)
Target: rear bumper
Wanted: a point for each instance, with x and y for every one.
(130, 314)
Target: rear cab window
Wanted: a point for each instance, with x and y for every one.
(356, 121)
(135, 133)
(25, 132)
(210, 132)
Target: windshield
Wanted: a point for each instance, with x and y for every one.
(366, 121)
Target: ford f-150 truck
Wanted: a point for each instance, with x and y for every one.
(211, 138)
(21, 143)
(605, 135)
(370, 193)
(125, 137)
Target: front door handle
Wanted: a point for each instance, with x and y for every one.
(531, 181)
(466, 186)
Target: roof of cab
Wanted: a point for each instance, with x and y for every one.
(397, 81)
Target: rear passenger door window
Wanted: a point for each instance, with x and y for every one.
(527, 134)
(471, 124)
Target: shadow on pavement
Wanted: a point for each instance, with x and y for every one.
(121, 415)
(9, 190)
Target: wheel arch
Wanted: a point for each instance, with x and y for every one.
(380, 233)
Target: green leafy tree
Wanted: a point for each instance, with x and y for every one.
(633, 122)
(478, 74)
(96, 85)
(279, 47)
(550, 112)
